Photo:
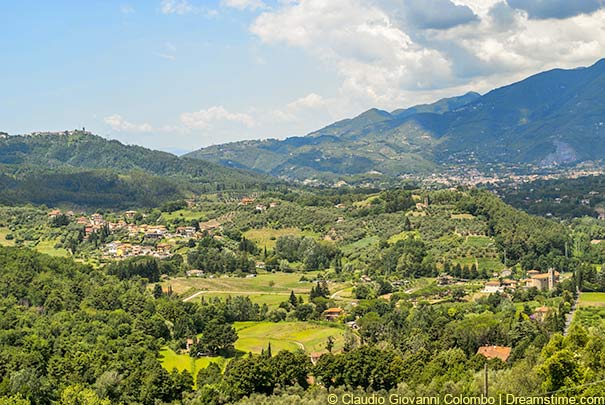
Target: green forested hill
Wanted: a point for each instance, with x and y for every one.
(84, 150)
(87, 170)
(89, 188)
(554, 117)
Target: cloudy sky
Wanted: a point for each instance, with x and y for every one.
(181, 74)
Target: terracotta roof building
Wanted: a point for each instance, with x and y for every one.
(541, 313)
(495, 352)
(331, 314)
(543, 281)
(492, 287)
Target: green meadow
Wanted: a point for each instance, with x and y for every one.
(269, 288)
(171, 360)
(185, 214)
(48, 247)
(254, 337)
(267, 237)
(592, 299)
(3, 240)
(311, 337)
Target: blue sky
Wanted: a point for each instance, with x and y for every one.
(181, 74)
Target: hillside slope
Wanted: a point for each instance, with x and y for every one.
(87, 170)
(84, 150)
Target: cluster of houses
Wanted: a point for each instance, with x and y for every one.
(259, 207)
(542, 281)
(116, 249)
(122, 250)
(96, 222)
(56, 213)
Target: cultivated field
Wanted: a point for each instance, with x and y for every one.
(463, 216)
(185, 214)
(272, 300)
(170, 360)
(3, 241)
(592, 299)
(254, 337)
(267, 237)
(48, 247)
(591, 310)
(43, 246)
(311, 337)
(403, 236)
(263, 283)
(360, 244)
(489, 264)
(479, 241)
(265, 288)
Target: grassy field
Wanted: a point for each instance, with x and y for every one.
(185, 214)
(345, 293)
(462, 216)
(265, 288)
(3, 241)
(592, 299)
(263, 283)
(360, 244)
(403, 236)
(591, 310)
(267, 237)
(254, 336)
(484, 263)
(479, 241)
(170, 360)
(272, 300)
(48, 247)
(367, 202)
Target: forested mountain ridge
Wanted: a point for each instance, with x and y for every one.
(79, 168)
(84, 150)
(554, 117)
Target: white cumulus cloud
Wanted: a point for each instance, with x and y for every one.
(244, 4)
(393, 53)
(375, 58)
(206, 118)
(119, 124)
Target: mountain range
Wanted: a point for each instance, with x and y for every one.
(552, 118)
(555, 117)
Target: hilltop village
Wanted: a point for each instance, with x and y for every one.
(132, 236)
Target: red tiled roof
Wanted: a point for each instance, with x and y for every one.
(493, 352)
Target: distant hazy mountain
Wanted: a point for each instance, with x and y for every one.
(554, 117)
